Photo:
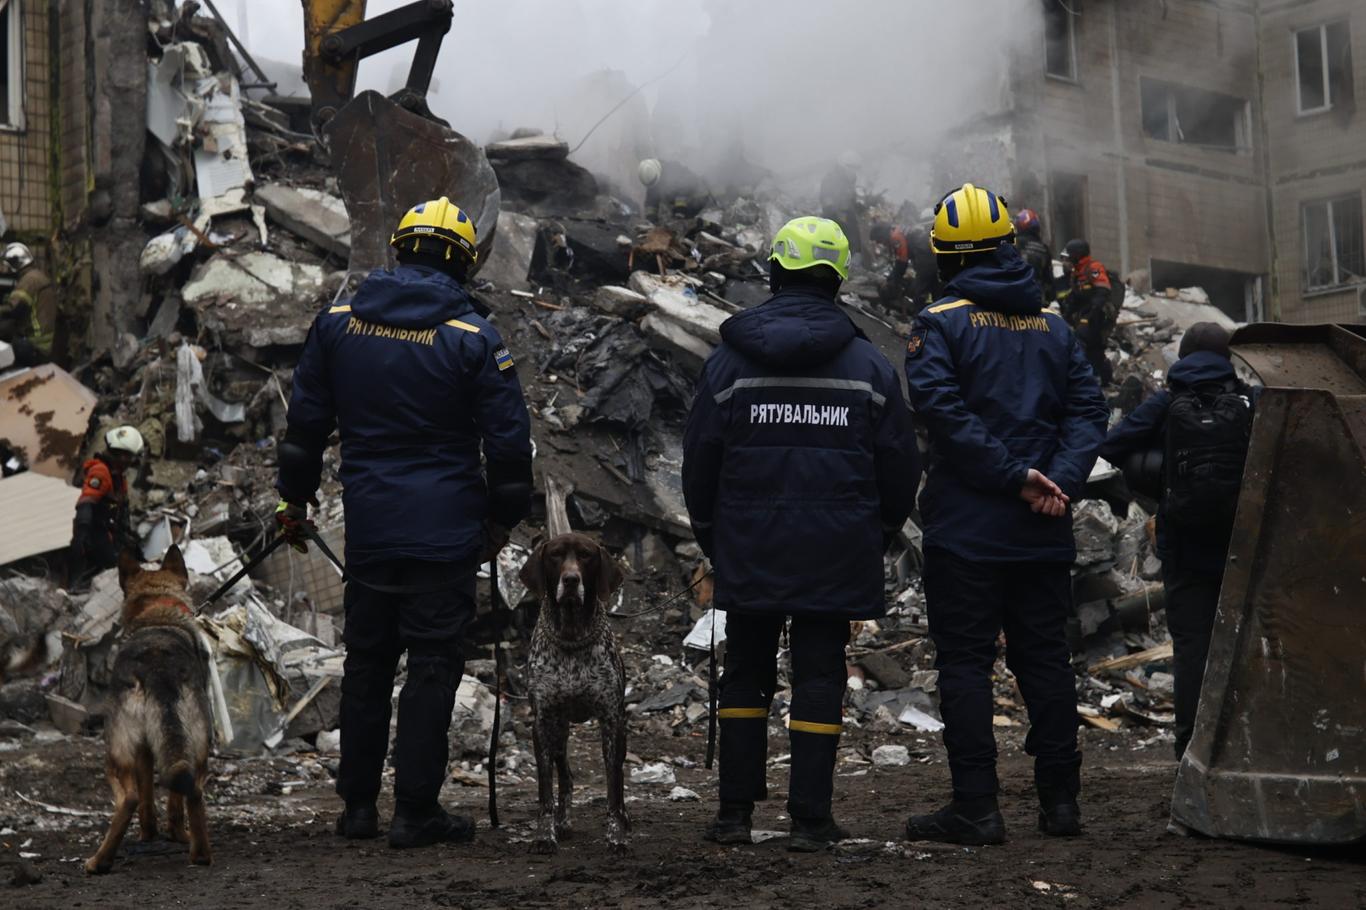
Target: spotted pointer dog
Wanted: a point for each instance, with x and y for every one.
(576, 675)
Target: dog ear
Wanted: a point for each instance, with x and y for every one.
(129, 565)
(174, 562)
(610, 575)
(533, 574)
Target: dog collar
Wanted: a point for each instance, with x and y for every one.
(167, 601)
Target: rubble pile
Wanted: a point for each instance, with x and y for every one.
(609, 316)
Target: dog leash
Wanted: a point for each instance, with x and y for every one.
(247, 567)
(657, 607)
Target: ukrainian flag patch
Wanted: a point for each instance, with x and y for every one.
(503, 357)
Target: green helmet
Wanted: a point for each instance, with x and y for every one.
(806, 242)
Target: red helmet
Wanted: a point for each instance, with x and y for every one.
(1026, 221)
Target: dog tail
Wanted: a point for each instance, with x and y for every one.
(180, 778)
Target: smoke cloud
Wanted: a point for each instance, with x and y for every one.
(728, 83)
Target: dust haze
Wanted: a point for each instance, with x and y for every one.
(727, 85)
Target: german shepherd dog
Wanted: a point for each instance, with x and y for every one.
(158, 724)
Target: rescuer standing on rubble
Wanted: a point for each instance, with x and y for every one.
(799, 466)
(671, 190)
(102, 527)
(1090, 307)
(1029, 240)
(28, 317)
(415, 380)
(1188, 443)
(1014, 418)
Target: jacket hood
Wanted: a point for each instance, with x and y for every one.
(791, 329)
(1202, 366)
(410, 297)
(1006, 285)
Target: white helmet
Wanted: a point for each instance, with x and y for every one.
(18, 257)
(124, 439)
(649, 171)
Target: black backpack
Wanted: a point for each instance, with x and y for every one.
(1209, 427)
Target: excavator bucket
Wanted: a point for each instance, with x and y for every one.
(1279, 749)
(388, 159)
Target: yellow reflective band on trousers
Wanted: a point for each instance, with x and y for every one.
(738, 713)
(807, 726)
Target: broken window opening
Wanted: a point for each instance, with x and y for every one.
(1193, 116)
(1334, 252)
(1323, 68)
(1068, 196)
(1237, 294)
(11, 65)
(1060, 48)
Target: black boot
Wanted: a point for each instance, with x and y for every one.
(732, 824)
(1059, 814)
(439, 827)
(811, 835)
(358, 822)
(973, 823)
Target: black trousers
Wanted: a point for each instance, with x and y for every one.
(1093, 334)
(970, 603)
(379, 628)
(747, 688)
(1192, 599)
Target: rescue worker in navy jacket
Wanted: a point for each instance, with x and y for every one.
(1192, 557)
(799, 465)
(1014, 417)
(415, 380)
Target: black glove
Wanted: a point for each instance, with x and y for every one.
(294, 525)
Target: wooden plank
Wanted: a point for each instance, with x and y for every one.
(1129, 661)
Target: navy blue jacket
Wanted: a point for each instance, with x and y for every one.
(1146, 428)
(415, 379)
(1001, 386)
(799, 458)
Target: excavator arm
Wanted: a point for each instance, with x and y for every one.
(337, 36)
(389, 153)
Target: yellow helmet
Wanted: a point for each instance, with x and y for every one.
(971, 219)
(807, 242)
(439, 219)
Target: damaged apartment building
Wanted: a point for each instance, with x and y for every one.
(1203, 142)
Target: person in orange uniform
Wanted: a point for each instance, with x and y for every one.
(101, 524)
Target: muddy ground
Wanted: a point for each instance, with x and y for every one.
(273, 845)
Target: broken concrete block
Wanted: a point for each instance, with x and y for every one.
(617, 301)
(67, 715)
(885, 669)
(527, 148)
(890, 756)
(680, 306)
(164, 251)
(691, 352)
(254, 278)
(6, 355)
(317, 217)
(510, 258)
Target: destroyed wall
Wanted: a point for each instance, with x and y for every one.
(26, 134)
(76, 134)
(1315, 157)
(1146, 198)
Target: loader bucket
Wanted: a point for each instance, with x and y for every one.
(1279, 749)
(388, 159)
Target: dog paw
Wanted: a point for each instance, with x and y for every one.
(564, 829)
(201, 859)
(179, 835)
(618, 846)
(92, 867)
(546, 846)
